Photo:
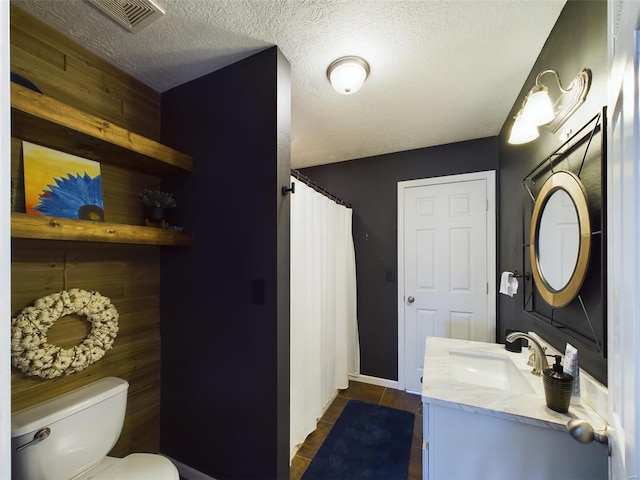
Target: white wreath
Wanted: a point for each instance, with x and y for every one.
(30, 351)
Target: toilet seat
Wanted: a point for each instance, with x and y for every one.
(136, 466)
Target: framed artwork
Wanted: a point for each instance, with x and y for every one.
(58, 184)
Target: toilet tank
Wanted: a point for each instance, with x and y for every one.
(84, 426)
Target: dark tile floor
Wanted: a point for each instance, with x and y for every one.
(366, 393)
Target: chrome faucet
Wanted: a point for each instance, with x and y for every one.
(540, 363)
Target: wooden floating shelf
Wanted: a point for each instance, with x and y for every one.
(51, 123)
(54, 228)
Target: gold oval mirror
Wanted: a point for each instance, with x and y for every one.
(560, 238)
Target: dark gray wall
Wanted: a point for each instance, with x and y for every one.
(225, 299)
(577, 41)
(370, 185)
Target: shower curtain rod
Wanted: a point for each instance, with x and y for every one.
(308, 182)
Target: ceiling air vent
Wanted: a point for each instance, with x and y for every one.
(134, 15)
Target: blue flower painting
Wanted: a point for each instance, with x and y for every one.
(61, 185)
(78, 196)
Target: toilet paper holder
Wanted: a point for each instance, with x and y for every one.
(526, 276)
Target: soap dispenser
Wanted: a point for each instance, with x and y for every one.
(557, 387)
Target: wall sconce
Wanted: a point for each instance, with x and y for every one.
(537, 108)
(347, 74)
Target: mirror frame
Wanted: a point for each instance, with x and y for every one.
(572, 185)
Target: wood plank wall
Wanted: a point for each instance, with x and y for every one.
(129, 275)
(70, 73)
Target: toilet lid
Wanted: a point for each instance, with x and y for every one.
(139, 466)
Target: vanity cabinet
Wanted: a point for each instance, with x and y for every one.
(124, 155)
(460, 444)
(480, 422)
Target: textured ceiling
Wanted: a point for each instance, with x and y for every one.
(442, 71)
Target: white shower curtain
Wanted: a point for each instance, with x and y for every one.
(324, 330)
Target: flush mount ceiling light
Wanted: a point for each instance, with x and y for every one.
(347, 74)
(538, 109)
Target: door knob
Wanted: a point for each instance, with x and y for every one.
(411, 299)
(582, 431)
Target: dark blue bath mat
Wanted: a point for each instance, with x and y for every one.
(367, 442)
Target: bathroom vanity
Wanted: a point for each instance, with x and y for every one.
(485, 417)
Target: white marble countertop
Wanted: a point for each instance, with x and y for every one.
(440, 388)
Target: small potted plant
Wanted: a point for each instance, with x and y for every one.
(157, 205)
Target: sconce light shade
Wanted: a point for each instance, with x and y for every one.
(538, 109)
(347, 74)
(522, 131)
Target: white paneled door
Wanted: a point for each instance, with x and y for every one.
(623, 239)
(446, 259)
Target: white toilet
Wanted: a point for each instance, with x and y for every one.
(69, 437)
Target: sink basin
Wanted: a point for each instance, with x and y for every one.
(487, 369)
